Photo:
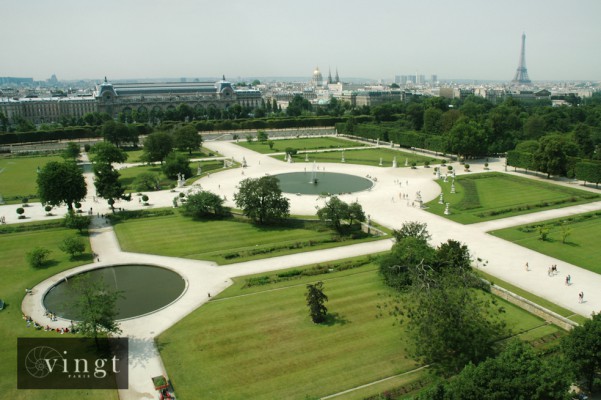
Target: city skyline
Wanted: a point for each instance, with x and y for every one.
(464, 39)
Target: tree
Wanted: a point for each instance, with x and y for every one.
(72, 151)
(582, 348)
(72, 245)
(262, 136)
(315, 301)
(407, 254)
(414, 229)
(20, 211)
(96, 305)
(453, 254)
(108, 153)
(75, 221)
(157, 146)
(448, 322)
(107, 183)
(355, 213)
(518, 372)
(261, 200)
(176, 163)
(115, 132)
(552, 155)
(37, 257)
(187, 139)
(334, 211)
(61, 183)
(297, 106)
(204, 204)
(146, 181)
(466, 138)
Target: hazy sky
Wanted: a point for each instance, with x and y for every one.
(474, 39)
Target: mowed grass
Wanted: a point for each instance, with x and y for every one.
(581, 246)
(129, 175)
(280, 145)
(135, 155)
(18, 177)
(224, 241)
(365, 157)
(263, 345)
(16, 275)
(492, 195)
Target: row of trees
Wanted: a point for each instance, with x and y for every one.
(457, 329)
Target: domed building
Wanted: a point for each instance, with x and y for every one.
(317, 79)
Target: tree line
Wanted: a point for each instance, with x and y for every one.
(455, 326)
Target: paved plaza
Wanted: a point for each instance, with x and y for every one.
(382, 203)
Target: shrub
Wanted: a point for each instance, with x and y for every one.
(48, 209)
(37, 257)
(21, 211)
(25, 200)
(72, 245)
(145, 200)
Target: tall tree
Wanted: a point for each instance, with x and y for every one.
(204, 204)
(334, 212)
(115, 132)
(187, 139)
(466, 138)
(107, 183)
(448, 322)
(315, 301)
(107, 153)
(60, 183)
(261, 200)
(71, 152)
(518, 372)
(582, 347)
(176, 163)
(157, 145)
(552, 155)
(96, 306)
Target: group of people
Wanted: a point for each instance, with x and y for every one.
(3, 220)
(30, 322)
(552, 270)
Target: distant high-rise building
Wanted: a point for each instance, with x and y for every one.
(521, 74)
(337, 78)
(434, 79)
(420, 79)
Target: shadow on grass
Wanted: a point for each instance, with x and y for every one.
(335, 319)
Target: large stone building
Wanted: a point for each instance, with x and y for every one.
(117, 98)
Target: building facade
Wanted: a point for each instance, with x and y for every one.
(117, 98)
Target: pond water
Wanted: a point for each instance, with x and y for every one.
(145, 288)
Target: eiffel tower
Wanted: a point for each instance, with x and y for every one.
(521, 74)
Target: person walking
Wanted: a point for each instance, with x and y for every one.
(580, 297)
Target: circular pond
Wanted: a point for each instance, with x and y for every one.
(145, 289)
(322, 182)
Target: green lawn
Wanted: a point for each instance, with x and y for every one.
(18, 177)
(493, 195)
(581, 246)
(128, 175)
(365, 157)
(16, 276)
(280, 145)
(226, 241)
(134, 156)
(263, 345)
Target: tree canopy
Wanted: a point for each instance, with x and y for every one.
(96, 306)
(108, 153)
(61, 182)
(335, 211)
(261, 200)
(582, 348)
(157, 146)
(187, 138)
(204, 204)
